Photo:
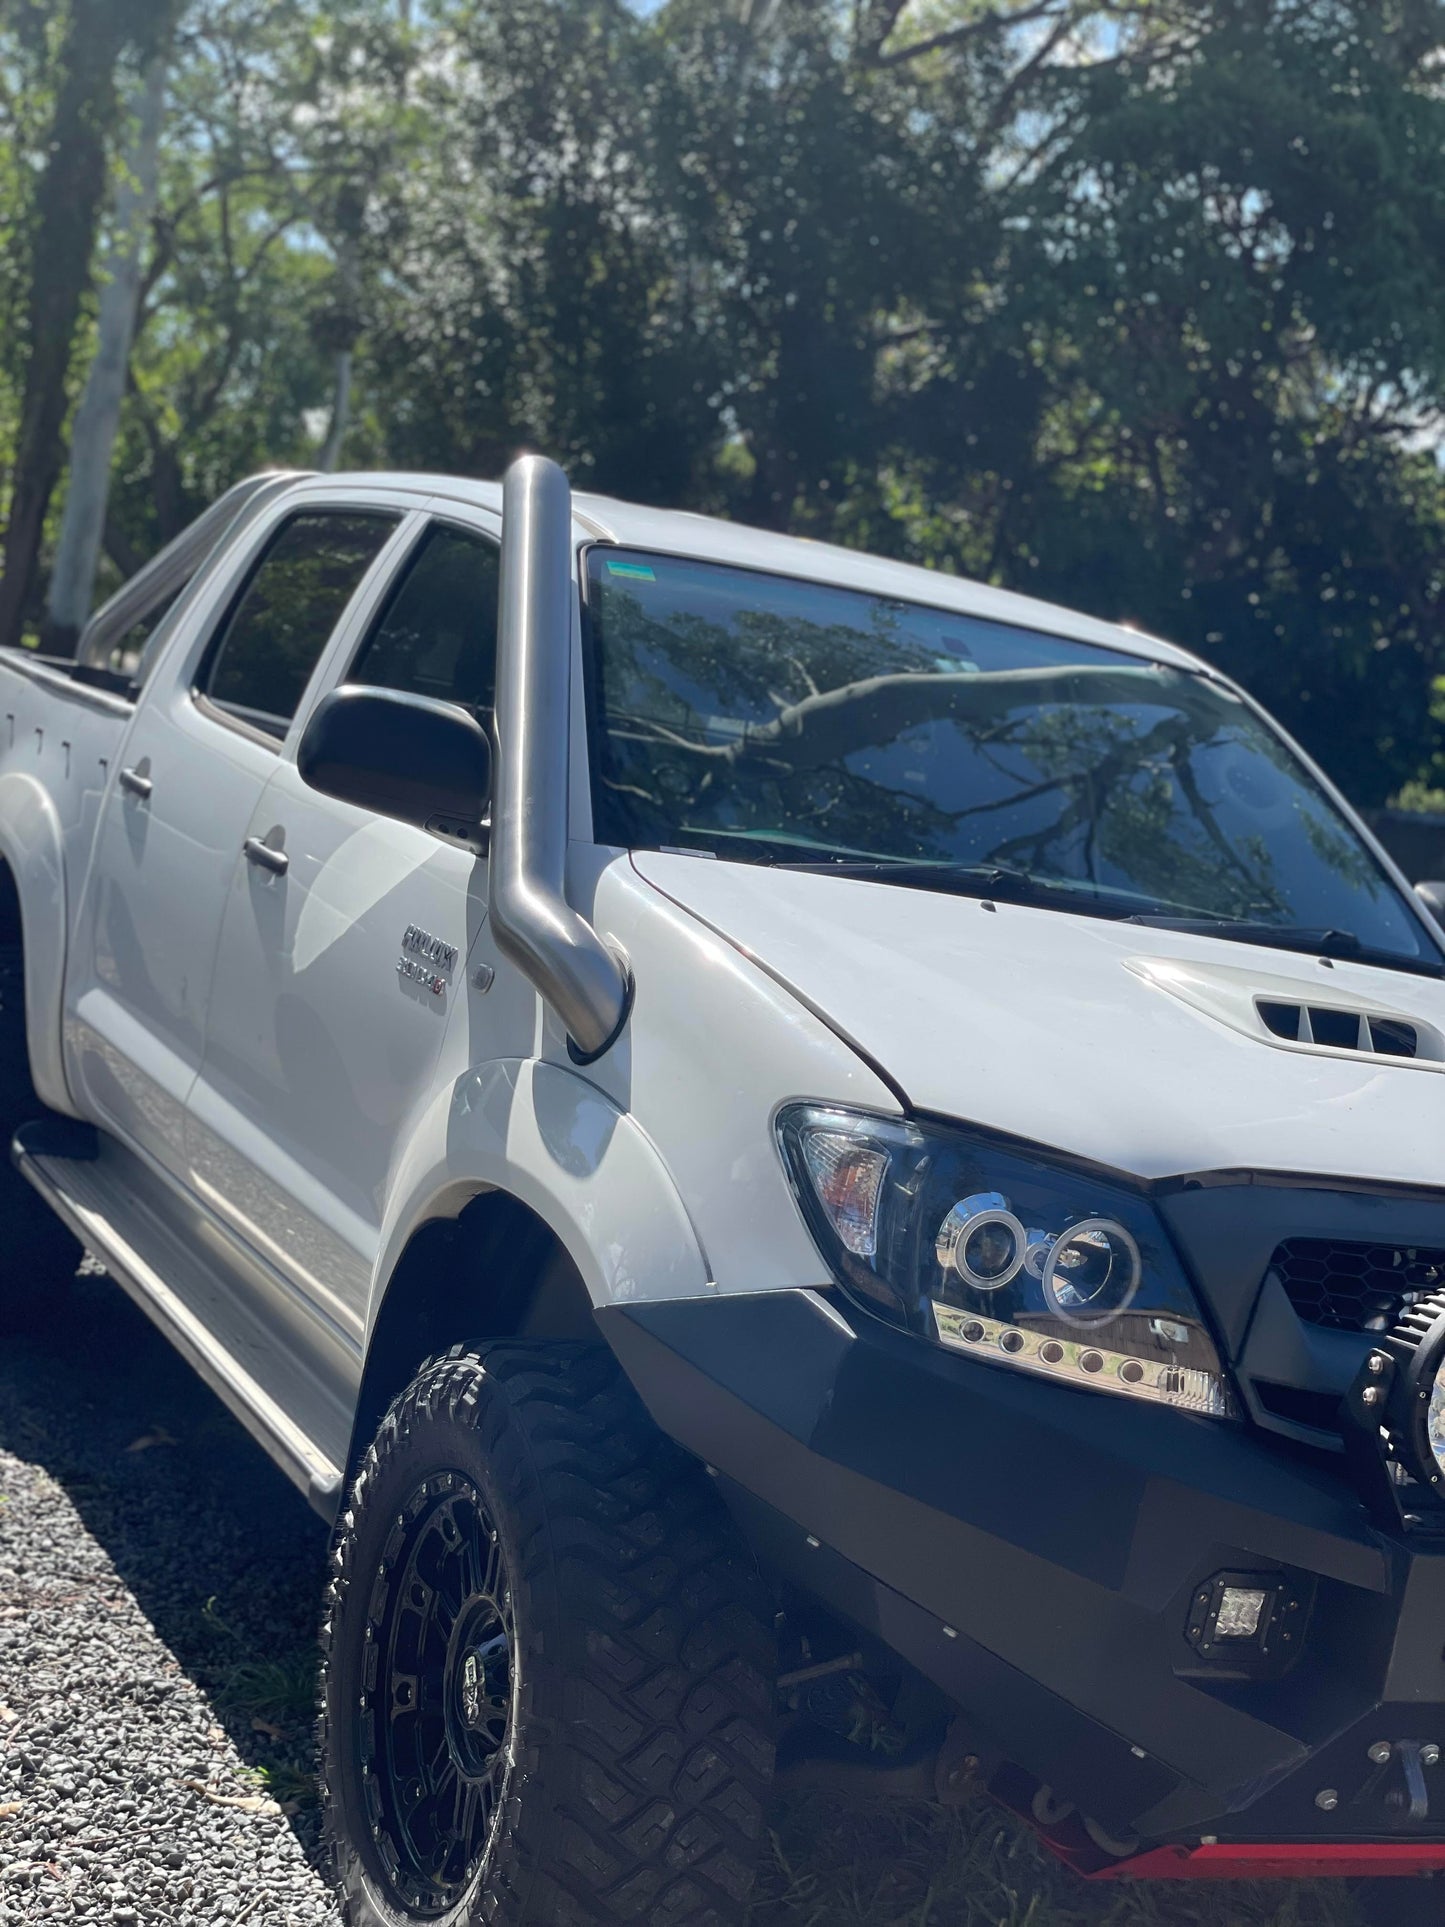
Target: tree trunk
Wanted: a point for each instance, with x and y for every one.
(340, 412)
(64, 218)
(97, 419)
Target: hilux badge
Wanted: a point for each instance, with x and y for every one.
(425, 959)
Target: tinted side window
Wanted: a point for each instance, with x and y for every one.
(274, 636)
(438, 633)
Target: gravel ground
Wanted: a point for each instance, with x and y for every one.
(159, 1583)
(158, 1591)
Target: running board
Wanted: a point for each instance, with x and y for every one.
(97, 1197)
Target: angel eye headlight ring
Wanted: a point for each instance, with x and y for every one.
(982, 1241)
(1092, 1272)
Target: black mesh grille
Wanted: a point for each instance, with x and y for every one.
(1355, 1287)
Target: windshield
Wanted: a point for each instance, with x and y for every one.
(766, 719)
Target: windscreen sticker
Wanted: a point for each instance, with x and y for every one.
(636, 571)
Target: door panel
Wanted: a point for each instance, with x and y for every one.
(173, 821)
(147, 937)
(320, 1047)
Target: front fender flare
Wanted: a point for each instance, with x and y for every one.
(32, 844)
(554, 1142)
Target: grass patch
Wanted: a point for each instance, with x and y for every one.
(282, 1690)
(844, 1864)
(291, 1786)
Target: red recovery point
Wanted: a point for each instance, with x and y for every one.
(1081, 1848)
(1251, 1861)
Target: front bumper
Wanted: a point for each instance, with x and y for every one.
(1034, 1552)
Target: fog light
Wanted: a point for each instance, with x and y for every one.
(1245, 1622)
(1241, 1608)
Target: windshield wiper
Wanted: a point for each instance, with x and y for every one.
(1291, 936)
(1021, 886)
(971, 879)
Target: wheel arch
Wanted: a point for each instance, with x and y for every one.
(526, 1200)
(532, 1290)
(33, 906)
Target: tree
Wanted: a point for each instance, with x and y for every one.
(1225, 277)
(97, 419)
(60, 238)
(1126, 302)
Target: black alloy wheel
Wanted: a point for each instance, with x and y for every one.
(437, 1724)
(547, 1661)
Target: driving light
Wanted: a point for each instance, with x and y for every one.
(1394, 1418)
(1420, 1401)
(1004, 1256)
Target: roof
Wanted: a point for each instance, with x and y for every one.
(680, 532)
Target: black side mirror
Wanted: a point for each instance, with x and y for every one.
(1432, 895)
(422, 761)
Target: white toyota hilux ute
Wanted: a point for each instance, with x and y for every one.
(789, 1145)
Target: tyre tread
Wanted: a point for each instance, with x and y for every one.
(648, 1704)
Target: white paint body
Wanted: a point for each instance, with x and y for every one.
(251, 1040)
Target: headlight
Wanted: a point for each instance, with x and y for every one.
(991, 1252)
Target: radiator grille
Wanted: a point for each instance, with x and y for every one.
(1355, 1287)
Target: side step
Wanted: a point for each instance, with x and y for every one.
(98, 1191)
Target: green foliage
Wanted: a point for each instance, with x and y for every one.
(871, 1862)
(1420, 798)
(1129, 303)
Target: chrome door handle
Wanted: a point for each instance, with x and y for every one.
(266, 858)
(136, 782)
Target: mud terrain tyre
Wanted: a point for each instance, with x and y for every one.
(548, 1660)
(38, 1256)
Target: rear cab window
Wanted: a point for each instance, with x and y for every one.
(261, 657)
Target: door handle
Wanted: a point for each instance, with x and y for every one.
(265, 857)
(136, 782)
